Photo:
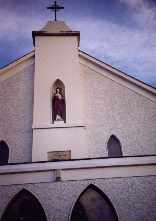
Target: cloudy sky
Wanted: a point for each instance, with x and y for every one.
(121, 33)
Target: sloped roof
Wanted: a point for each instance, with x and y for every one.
(14, 63)
(56, 27)
(117, 72)
(91, 62)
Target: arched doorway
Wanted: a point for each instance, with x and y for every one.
(4, 153)
(93, 205)
(25, 207)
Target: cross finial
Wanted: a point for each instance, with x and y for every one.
(55, 7)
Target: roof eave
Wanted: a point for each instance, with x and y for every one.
(118, 72)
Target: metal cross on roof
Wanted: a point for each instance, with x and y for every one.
(55, 7)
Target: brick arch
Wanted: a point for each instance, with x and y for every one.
(93, 204)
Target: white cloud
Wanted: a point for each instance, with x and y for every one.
(142, 12)
(131, 49)
(133, 3)
(13, 25)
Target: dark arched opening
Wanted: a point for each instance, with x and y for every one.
(114, 147)
(4, 153)
(24, 206)
(58, 102)
(93, 205)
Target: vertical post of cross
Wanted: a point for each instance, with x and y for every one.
(55, 7)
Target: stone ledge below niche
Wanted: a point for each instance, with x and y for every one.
(58, 125)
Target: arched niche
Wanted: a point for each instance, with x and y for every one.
(24, 206)
(58, 102)
(114, 147)
(4, 153)
(93, 205)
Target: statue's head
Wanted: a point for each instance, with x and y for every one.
(58, 90)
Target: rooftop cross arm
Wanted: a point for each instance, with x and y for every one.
(55, 7)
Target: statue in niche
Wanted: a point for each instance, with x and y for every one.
(58, 106)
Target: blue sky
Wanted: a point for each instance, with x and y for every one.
(121, 33)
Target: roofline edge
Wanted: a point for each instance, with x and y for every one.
(17, 61)
(120, 73)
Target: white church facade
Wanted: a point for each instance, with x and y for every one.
(78, 137)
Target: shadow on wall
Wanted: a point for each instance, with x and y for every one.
(93, 204)
(4, 153)
(114, 147)
(24, 206)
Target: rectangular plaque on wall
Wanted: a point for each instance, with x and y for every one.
(59, 155)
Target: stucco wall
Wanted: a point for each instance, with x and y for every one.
(59, 139)
(112, 108)
(133, 198)
(62, 62)
(16, 98)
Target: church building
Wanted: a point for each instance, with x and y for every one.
(77, 136)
